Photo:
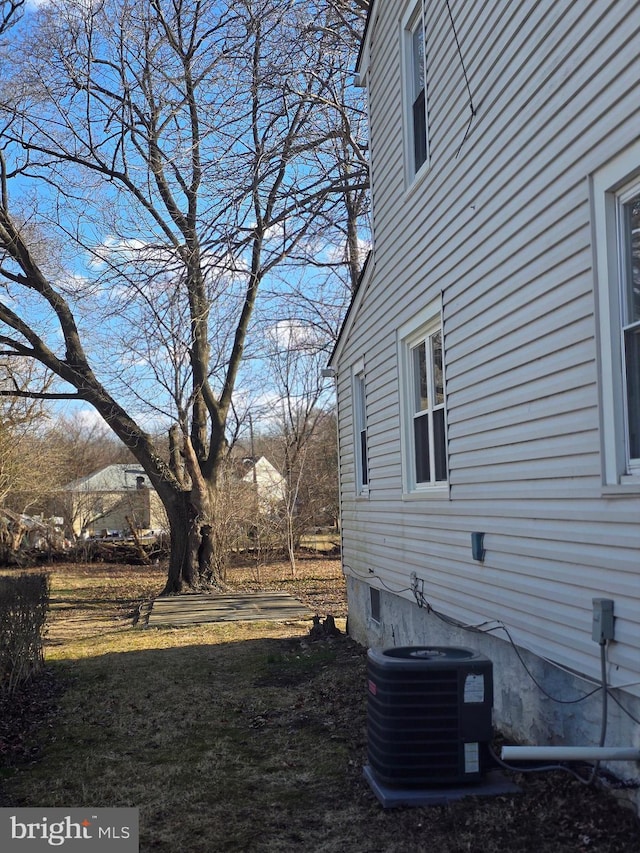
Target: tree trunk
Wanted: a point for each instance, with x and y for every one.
(192, 564)
(291, 544)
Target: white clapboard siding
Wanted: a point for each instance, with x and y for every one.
(500, 229)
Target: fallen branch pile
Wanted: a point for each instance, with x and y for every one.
(93, 551)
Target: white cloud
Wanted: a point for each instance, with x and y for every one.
(114, 250)
(334, 254)
(295, 335)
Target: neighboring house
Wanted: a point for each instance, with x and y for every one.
(121, 496)
(268, 482)
(488, 371)
(115, 499)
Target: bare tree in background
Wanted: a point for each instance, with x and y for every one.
(341, 23)
(174, 156)
(321, 478)
(40, 456)
(20, 473)
(296, 358)
(10, 11)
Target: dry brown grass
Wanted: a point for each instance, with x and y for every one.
(250, 737)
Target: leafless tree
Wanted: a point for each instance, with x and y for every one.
(341, 23)
(174, 155)
(296, 357)
(10, 11)
(22, 473)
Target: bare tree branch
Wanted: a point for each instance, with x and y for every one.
(10, 11)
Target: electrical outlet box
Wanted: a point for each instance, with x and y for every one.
(602, 628)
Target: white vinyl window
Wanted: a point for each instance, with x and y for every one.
(360, 430)
(629, 248)
(616, 219)
(415, 91)
(423, 407)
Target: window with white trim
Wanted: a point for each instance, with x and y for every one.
(360, 430)
(616, 219)
(629, 231)
(423, 405)
(415, 91)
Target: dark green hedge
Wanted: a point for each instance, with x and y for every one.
(24, 602)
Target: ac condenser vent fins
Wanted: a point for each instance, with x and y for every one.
(428, 715)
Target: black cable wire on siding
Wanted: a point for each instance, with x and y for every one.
(466, 79)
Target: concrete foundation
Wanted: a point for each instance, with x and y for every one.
(522, 712)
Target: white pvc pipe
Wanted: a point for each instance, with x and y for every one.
(570, 753)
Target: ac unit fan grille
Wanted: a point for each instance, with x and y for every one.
(420, 720)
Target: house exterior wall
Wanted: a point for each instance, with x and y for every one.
(522, 711)
(499, 231)
(94, 512)
(270, 484)
(141, 509)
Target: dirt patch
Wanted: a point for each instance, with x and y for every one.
(318, 583)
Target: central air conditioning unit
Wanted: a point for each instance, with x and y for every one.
(428, 715)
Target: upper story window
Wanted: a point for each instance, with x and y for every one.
(616, 212)
(415, 91)
(360, 430)
(423, 409)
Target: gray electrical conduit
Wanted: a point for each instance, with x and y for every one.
(603, 734)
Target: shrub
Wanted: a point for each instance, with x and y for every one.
(24, 601)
